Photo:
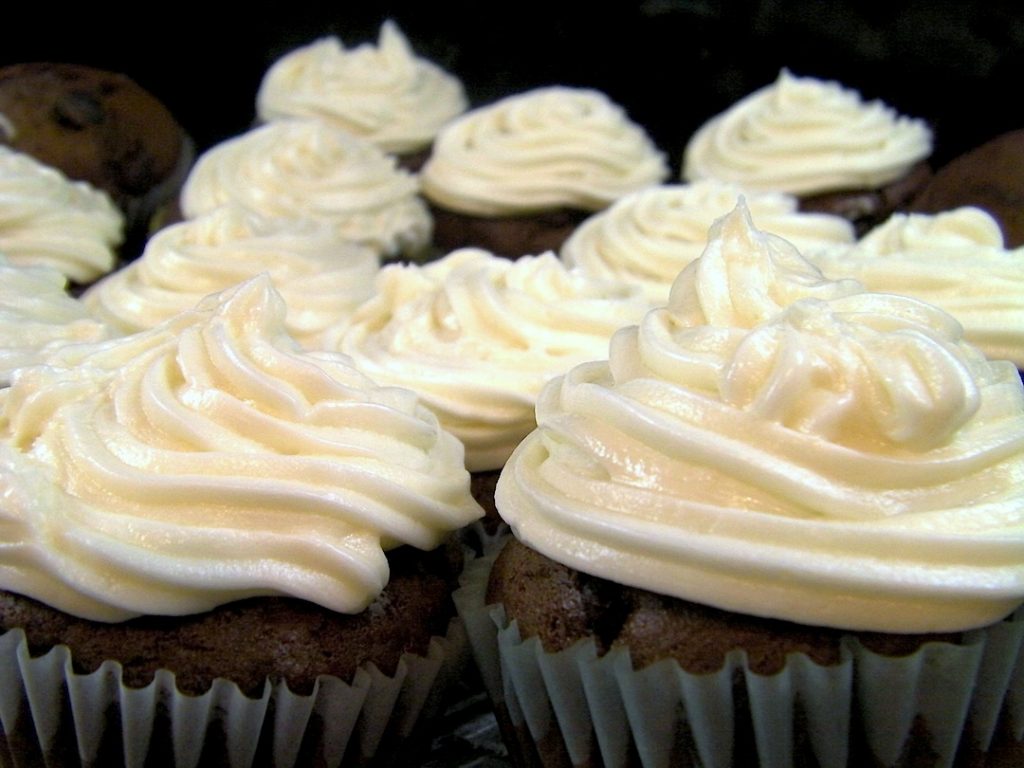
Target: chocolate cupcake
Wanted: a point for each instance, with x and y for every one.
(515, 177)
(819, 141)
(100, 127)
(785, 528)
(990, 177)
(205, 501)
(384, 94)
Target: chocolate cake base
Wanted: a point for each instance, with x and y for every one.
(507, 236)
(867, 208)
(299, 693)
(989, 177)
(251, 641)
(559, 606)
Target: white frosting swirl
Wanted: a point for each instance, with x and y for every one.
(649, 236)
(846, 460)
(210, 460)
(805, 136)
(48, 220)
(545, 149)
(384, 93)
(37, 316)
(306, 169)
(321, 278)
(954, 260)
(477, 336)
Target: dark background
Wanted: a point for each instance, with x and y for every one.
(671, 63)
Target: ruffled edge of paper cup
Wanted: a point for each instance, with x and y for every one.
(47, 707)
(580, 705)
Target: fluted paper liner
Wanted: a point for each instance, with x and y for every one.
(39, 694)
(601, 705)
(479, 541)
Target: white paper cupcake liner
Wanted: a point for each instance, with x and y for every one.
(42, 700)
(600, 707)
(480, 540)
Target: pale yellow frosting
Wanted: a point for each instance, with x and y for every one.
(955, 260)
(48, 220)
(477, 336)
(545, 149)
(804, 136)
(384, 93)
(779, 445)
(648, 237)
(321, 278)
(208, 460)
(306, 169)
(37, 315)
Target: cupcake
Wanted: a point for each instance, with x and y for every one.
(648, 237)
(100, 127)
(955, 260)
(384, 93)
(988, 177)
(477, 337)
(199, 526)
(789, 514)
(306, 169)
(516, 177)
(48, 220)
(321, 278)
(37, 315)
(820, 141)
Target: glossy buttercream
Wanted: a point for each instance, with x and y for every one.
(209, 460)
(550, 148)
(955, 260)
(321, 278)
(37, 315)
(648, 237)
(384, 93)
(804, 136)
(48, 220)
(307, 169)
(777, 444)
(477, 336)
